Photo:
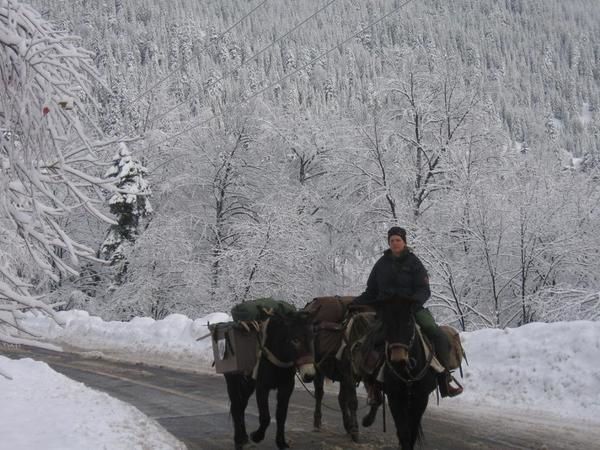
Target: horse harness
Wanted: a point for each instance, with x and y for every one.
(409, 380)
(261, 349)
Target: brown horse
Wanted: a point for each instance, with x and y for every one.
(287, 346)
(336, 330)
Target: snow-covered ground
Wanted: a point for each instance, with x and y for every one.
(41, 408)
(169, 342)
(545, 368)
(538, 368)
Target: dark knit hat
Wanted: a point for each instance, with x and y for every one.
(397, 231)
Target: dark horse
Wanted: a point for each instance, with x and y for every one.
(286, 346)
(334, 325)
(409, 379)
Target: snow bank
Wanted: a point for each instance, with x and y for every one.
(44, 409)
(537, 367)
(169, 342)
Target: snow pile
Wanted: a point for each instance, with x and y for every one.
(169, 342)
(542, 367)
(44, 409)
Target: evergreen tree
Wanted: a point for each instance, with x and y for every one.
(130, 204)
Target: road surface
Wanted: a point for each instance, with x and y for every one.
(194, 408)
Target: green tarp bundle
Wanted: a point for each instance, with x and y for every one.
(260, 309)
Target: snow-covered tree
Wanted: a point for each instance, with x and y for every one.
(47, 158)
(423, 121)
(130, 204)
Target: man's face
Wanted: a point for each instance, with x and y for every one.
(396, 244)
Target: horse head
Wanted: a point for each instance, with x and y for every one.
(292, 340)
(400, 330)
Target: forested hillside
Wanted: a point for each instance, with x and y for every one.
(277, 161)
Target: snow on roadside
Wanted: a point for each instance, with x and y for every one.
(41, 408)
(169, 342)
(546, 367)
(550, 368)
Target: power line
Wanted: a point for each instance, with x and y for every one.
(314, 60)
(256, 55)
(170, 74)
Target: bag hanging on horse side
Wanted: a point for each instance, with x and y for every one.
(234, 347)
(329, 314)
(457, 353)
(329, 309)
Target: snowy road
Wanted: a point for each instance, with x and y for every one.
(194, 408)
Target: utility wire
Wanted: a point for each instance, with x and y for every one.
(170, 74)
(322, 55)
(256, 55)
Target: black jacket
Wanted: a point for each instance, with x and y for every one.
(402, 277)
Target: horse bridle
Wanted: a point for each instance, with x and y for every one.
(407, 347)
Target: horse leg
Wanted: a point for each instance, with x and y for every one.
(239, 390)
(349, 405)
(318, 383)
(247, 390)
(264, 418)
(283, 399)
(418, 405)
(399, 410)
(343, 408)
(368, 420)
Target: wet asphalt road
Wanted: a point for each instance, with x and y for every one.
(194, 408)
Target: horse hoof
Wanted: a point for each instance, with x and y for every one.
(355, 436)
(257, 436)
(241, 442)
(368, 420)
(282, 445)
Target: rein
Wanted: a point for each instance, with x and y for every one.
(322, 403)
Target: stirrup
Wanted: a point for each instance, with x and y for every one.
(454, 391)
(446, 389)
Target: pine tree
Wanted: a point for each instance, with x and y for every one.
(130, 205)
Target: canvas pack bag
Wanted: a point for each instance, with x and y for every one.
(329, 313)
(260, 309)
(457, 352)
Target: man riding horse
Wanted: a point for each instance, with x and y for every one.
(400, 274)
